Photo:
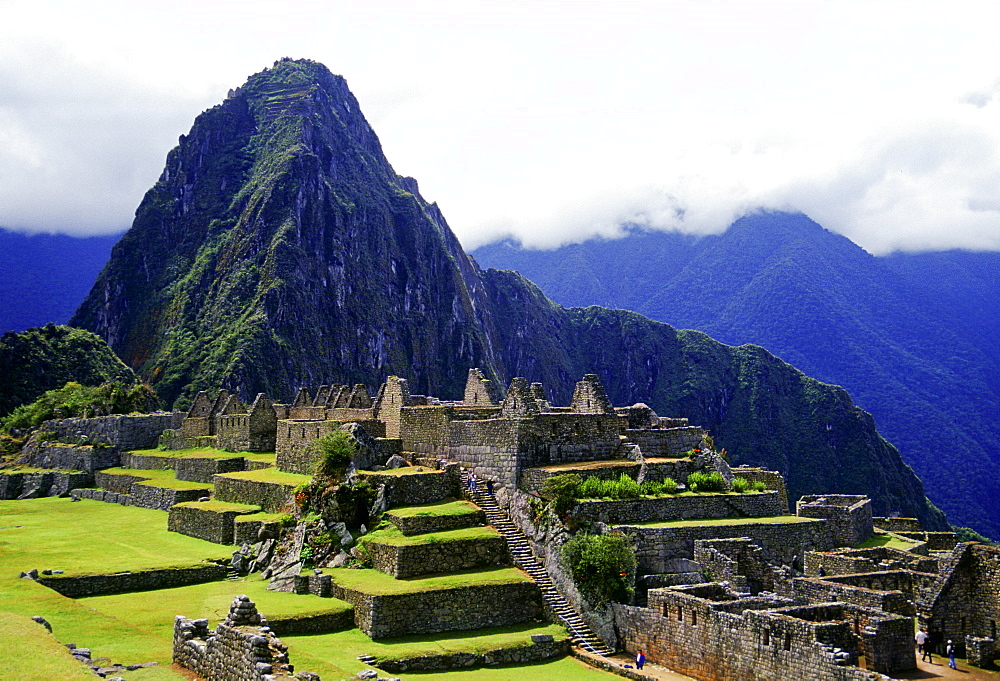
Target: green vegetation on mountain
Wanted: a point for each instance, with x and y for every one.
(75, 400)
(914, 338)
(279, 249)
(48, 357)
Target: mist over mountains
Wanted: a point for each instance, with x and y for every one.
(912, 337)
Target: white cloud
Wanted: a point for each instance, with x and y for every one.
(548, 121)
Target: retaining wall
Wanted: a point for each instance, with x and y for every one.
(83, 586)
(414, 560)
(14, 485)
(211, 524)
(662, 509)
(429, 612)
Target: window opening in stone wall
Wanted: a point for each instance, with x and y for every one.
(767, 637)
(555, 428)
(666, 610)
(993, 629)
(694, 618)
(787, 643)
(680, 613)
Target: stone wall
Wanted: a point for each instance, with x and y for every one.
(143, 495)
(826, 591)
(662, 509)
(16, 485)
(897, 524)
(429, 612)
(666, 442)
(242, 647)
(84, 586)
(118, 482)
(293, 447)
(739, 562)
(772, 480)
(849, 516)
(414, 560)
(69, 457)
(783, 542)
(965, 599)
(208, 522)
(410, 489)
(202, 470)
(272, 497)
(877, 559)
(121, 432)
(421, 524)
(708, 633)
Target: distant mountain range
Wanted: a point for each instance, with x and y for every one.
(279, 249)
(915, 338)
(43, 277)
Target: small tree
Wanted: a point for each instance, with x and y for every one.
(601, 565)
(336, 450)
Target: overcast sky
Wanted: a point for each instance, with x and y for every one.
(548, 121)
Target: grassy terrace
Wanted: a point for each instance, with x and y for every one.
(438, 508)
(211, 600)
(31, 653)
(271, 475)
(204, 453)
(374, 582)
(392, 535)
(248, 510)
(891, 541)
(717, 522)
(18, 468)
(88, 537)
(158, 478)
(405, 470)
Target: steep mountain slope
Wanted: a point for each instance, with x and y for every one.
(912, 337)
(43, 277)
(46, 358)
(279, 249)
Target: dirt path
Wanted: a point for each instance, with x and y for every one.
(939, 670)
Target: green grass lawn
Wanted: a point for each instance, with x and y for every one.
(392, 535)
(20, 468)
(210, 600)
(158, 477)
(94, 537)
(204, 453)
(375, 582)
(248, 509)
(888, 541)
(446, 507)
(715, 522)
(31, 652)
(272, 475)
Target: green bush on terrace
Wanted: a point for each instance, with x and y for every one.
(700, 481)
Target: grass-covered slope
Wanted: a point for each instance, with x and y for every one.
(47, 357)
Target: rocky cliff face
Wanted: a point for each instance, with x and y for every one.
(279, 249)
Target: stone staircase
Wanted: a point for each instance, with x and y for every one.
(520, 551)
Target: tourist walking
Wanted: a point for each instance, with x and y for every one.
(489, 486)
(472, 482)
(922, 646)
(950, 650)
(640, 660)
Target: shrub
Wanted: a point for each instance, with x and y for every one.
(669, 486)
(336, 450)
(700, 481)
(75, 400)
(561, 490)
(741, 485)
(601, 565)
(758, 486)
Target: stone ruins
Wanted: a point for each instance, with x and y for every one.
(728, 584)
